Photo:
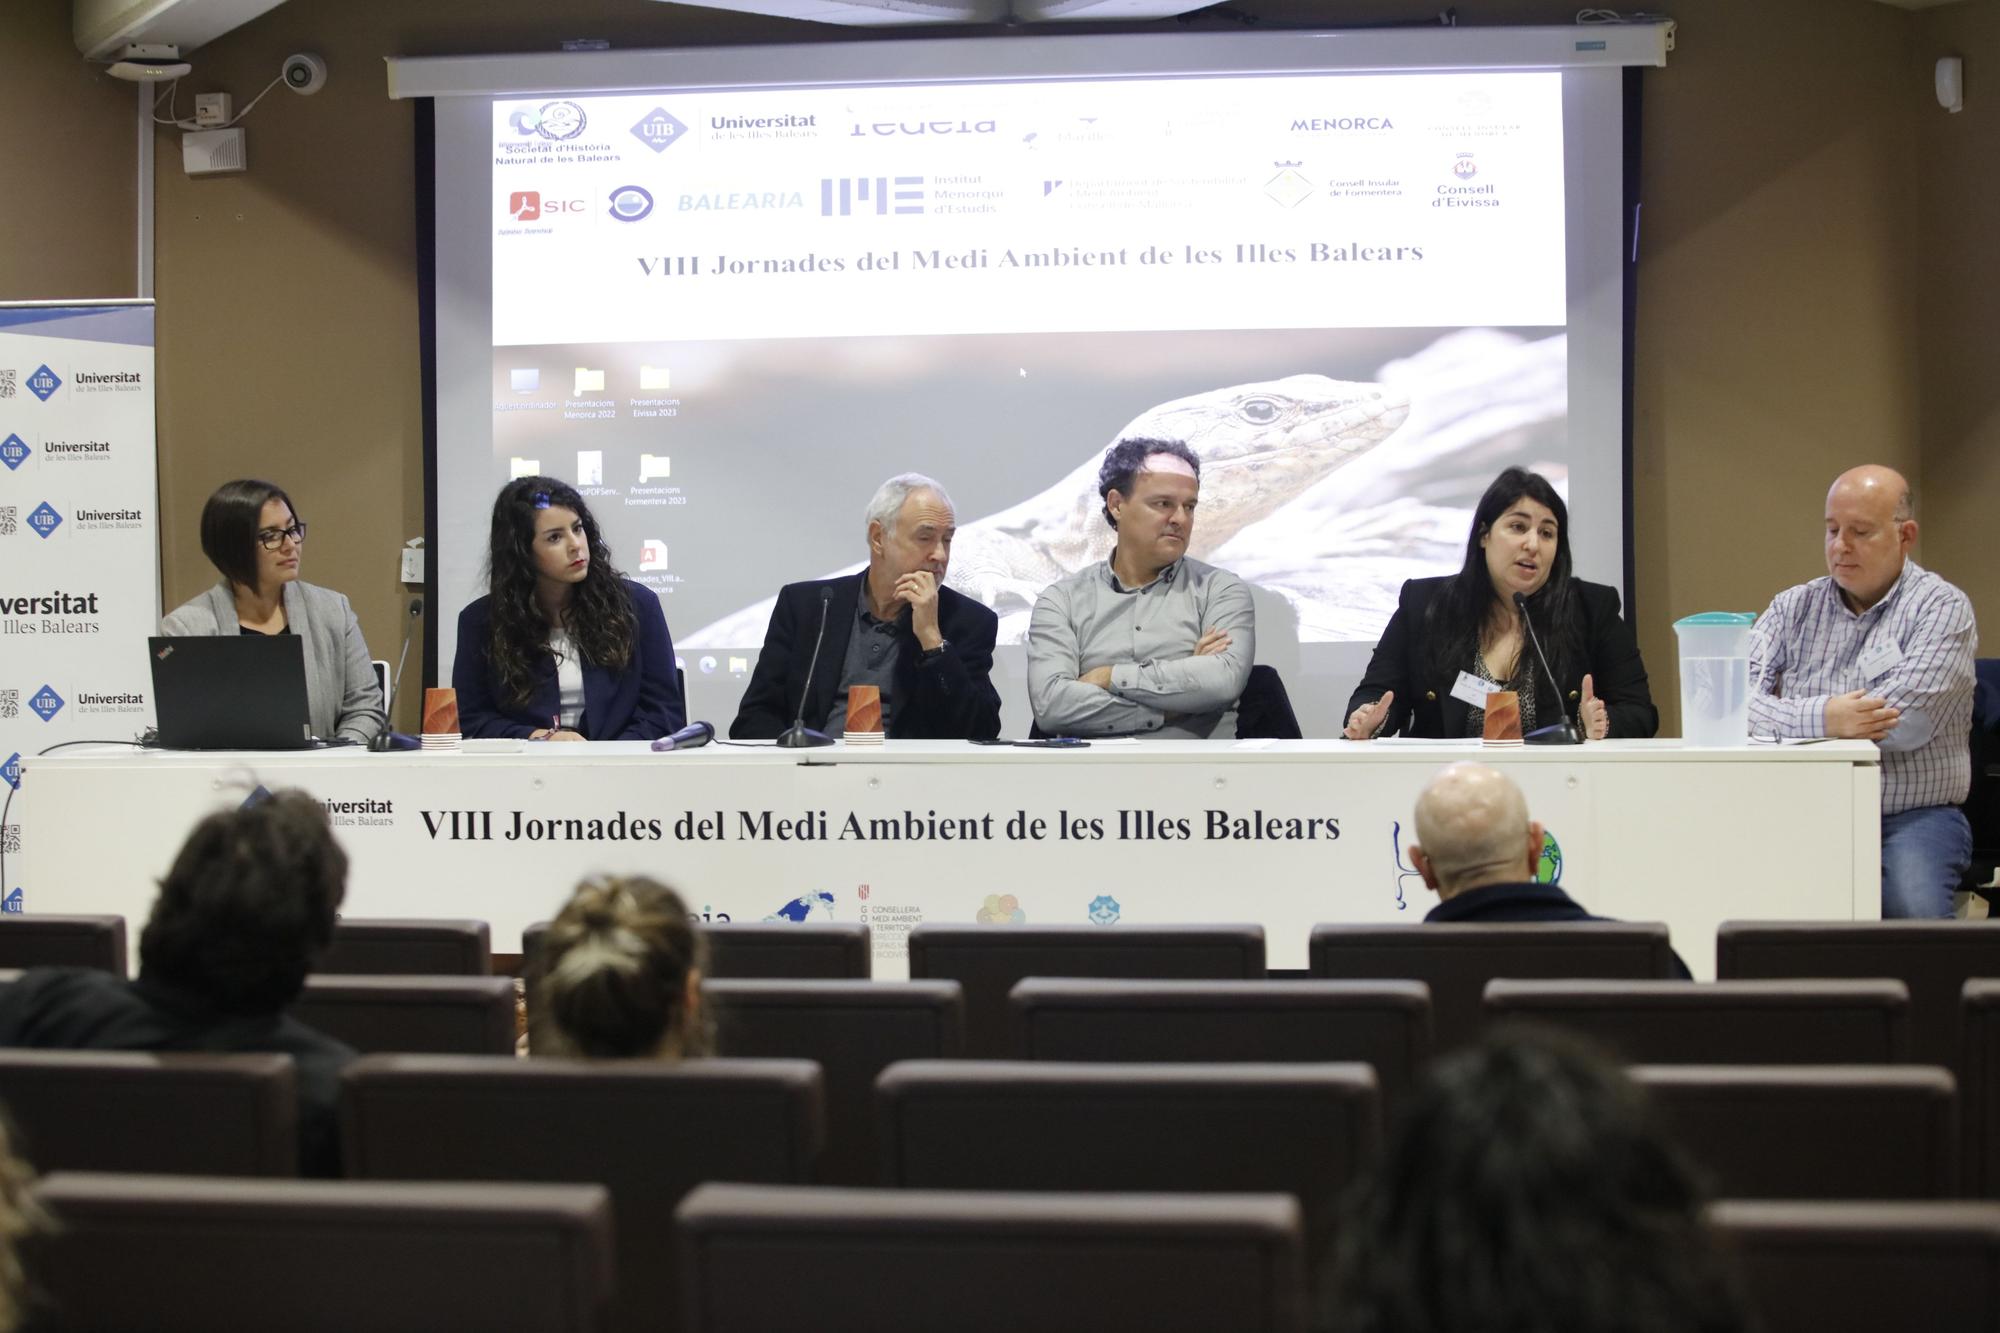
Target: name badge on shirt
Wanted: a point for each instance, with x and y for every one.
(1470, 689)
(1882, 655)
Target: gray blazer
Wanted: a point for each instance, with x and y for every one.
(341, 693)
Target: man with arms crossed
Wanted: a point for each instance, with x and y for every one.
(895, 626)
(1149, 642)
(1880, 650)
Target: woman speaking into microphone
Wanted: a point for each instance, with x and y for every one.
(1454, 639)
(561, 648)
(255, 540)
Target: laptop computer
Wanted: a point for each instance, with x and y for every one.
(234, 692)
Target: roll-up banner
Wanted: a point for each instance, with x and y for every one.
(79, 535)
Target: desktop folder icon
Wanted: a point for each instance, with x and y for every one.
(518, 467)
(654, 379)
(738, 665)
(654, 466)
(589, 381)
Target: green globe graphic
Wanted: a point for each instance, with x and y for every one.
(1549, 870)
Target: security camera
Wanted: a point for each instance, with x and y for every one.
(305, 73)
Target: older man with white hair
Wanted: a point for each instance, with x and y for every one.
(1478, 850)
(895, 626)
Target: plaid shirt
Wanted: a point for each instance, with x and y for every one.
(1913, 648)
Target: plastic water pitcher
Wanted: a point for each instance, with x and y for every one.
(1715, 677)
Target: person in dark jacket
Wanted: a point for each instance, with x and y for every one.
(561, 648)
(1478, 850)
(1453, 639)
(895, 625)
(247, 907)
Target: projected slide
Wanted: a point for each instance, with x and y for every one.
(725, 316)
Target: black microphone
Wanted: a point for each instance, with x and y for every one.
(386, 739)
(1556, 733)
(691, 737)
(799, 736)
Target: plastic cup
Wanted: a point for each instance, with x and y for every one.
(1715, 677)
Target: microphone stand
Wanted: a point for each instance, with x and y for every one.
(387, 738)
(799, 736)
(1564, 732)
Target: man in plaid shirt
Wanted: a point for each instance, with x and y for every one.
(1880, 650)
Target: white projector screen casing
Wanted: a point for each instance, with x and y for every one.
(726, 293)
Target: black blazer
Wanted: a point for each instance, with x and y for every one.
(950, 699)
(1526, 901)
(1424, 705)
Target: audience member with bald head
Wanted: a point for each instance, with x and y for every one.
(1880, 650)
(1480, 851)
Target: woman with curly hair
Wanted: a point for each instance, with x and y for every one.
(562, 647)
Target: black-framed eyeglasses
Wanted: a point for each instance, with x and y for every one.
(273, 538)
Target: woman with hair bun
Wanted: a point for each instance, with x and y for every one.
(620, 975)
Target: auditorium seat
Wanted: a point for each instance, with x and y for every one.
(1176, 1128)
(1820, 1267)
(1457, 959)
(195, 1114)
(1723, 1022)
(855, 1030)
(1386, 1024)
(647, 1130)
(989, 960)
(180, 1254)
(758, 1259)
(385, 947)
(1933, 958)
(1979, 1088)
(40, 940)
(763, 950)
(435, 1015)
(1813, 1131)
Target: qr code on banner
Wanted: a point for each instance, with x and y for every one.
(10, 703)
(7, 383)
(10, 839)
(8, 514)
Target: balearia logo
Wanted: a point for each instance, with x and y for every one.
(1340, 124)
(889, 129)
(43, 383)
(708, 913)
(14, 451)
(738, 201)
(629, 203)
(551, 120)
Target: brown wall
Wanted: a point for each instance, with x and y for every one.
(1785, 265)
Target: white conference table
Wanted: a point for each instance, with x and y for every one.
(1282, 833)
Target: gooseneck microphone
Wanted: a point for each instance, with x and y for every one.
(691, 737)
(386, 739)
(799, 736)
(1556, 733)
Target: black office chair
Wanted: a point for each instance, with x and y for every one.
(1982, 802)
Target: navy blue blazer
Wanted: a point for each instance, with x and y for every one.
(641, 703)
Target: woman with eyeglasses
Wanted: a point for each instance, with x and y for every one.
(562, 648)
(254, 537)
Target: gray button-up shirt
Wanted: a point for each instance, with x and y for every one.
(873, 649)
(1147, 637)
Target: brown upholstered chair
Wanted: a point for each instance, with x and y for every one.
(1813, 1131)
(774, 1260)
(989, 960)
(40, 940)
(1386, 1024)
(1723, 1022)
(431, 1015)
(1299, 1129)
(1456, 960)
(1816, 1267)
(1933, 958)
(648, 1130)
(193, 1114)
(763, 950)
(1979, 1088)
(855, 1030)
(387, 947)
(191, 1254)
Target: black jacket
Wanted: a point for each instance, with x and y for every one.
(950, 699)
(83, 1009)
(1527, 901)
(1424, 705)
